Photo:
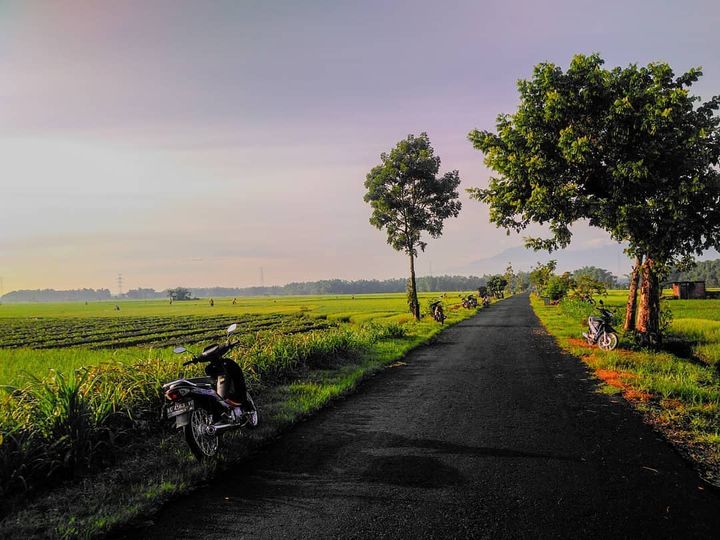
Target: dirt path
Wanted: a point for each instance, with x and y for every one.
(490, 432)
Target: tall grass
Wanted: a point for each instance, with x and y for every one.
(18, 366)
(577, 310)
(64, 425)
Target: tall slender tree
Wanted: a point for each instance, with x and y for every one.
(408, 198)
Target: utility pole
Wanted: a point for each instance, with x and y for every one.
(120, 284)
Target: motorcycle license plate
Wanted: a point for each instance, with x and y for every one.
(178, 408)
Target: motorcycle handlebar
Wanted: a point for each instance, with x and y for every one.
(221, 350)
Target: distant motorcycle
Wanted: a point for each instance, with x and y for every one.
(600, 330)
(485, 301)
(205, 407)
(437, 312)
(470, 302)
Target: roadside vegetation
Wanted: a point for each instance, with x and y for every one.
(84, 450)
(677, 388)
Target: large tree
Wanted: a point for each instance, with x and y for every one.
(408, 198)
(630, 150)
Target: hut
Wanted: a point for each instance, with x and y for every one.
(689, 290)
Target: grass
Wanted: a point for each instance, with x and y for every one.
(149, 328)
(98, 426)
(679, 394)
(696, 323)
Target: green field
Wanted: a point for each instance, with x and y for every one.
(64, 336)
(695, 322)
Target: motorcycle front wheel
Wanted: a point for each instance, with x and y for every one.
(203, 442)
(607, 341)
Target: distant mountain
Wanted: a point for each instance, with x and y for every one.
(607, 256)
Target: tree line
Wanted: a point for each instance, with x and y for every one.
(51, 295)
(707, 271)
(329, 286)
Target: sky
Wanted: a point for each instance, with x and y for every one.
(196, 143)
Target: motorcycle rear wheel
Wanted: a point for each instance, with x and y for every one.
(202, 444)
(252, 416)
(608, 341)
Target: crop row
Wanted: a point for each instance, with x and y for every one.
(147, 331)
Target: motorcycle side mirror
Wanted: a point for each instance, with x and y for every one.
(232, 328)
(179, 350)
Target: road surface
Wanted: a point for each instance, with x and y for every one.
(491, 432)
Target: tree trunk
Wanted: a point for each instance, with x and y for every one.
(412, 292)
(649, 311)
(631, 308)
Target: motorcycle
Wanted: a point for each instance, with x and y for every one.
(470, 302)
(485, 302)
(437, 311)
(600, 330)
(206, 407)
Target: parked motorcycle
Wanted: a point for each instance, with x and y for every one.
(437, 311)
(600, 330)
(205, 407)
(470, 302)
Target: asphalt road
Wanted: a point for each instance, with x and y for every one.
(491, 432)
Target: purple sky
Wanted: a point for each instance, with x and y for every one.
(195, 142)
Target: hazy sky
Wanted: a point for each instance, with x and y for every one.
(195, 142)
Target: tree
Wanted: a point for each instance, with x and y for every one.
(541, 274)
(584, 287)
(522, 281)
(631, 307)
(179, 293)
(557, 287)
(496, 285)
(408, 198)
(509, 276)
(597, 274)
(630, 150)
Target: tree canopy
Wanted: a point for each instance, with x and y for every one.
(628, 149)
(179, 293)
(407, 196)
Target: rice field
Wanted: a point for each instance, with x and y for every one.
(35, 338)
(82, 380)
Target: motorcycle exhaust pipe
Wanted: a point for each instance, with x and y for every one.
(212, 429)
